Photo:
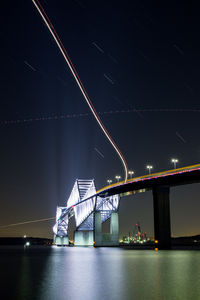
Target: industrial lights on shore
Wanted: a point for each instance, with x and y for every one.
(149, 167)
(117, 177)
(131, 173)
(174, 161)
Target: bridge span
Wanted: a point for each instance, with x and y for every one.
(91, 208)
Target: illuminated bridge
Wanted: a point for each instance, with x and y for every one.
(91, 208)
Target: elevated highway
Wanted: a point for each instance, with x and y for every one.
(160, 184)
(94, 207)
(175, 177)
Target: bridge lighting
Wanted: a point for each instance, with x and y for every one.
(149, 168)
(174, 161)
(117, 177)
(109, 181)
(131, 173)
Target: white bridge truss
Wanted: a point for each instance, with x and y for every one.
(82, 203)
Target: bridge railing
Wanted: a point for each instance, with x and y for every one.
(153, 175)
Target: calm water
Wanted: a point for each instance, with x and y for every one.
(102, 273)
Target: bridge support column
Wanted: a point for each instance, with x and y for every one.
(61, 241)
(106, 239)
(97, 229)
(114, 229)
(162, 228)
(83, 238)
(65, 241)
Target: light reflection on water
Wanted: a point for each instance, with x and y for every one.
(100, 273)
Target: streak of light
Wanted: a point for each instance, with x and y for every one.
(31, 67)
(113, 59)
(78, 81)
(180, 137)
(108, 78)
(27, 222)
(71, 116)
(178, 49)
(153, 176)
(99, 152)
(97, 46)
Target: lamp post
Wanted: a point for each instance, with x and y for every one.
(131, 173)
(109, 181)
(149, 168)
(117, 177)
(174, 161)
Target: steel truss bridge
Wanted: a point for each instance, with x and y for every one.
(91, 208)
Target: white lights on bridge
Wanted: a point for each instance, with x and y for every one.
(82, 202)
(149, 167)
(174, 161)
(82, 190)
(131, 173)
(117, 177)
(109, 181)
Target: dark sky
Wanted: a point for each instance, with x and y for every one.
(129, 55)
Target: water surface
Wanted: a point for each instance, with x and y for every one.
(99, 273)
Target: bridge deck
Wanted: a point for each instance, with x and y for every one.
(185, 175)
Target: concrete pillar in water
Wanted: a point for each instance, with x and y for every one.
(97, 229)
(61, 241)
(54, 238)
(106, 239)
(58, 240)
(114, 229)
(162, 228)
(65, 241)
(83, 238)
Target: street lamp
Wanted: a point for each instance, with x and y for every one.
(174, 161)
(130, 173)
(149, 168)
(109, 181)
(117, 177)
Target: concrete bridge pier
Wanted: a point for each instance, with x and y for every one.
(83, 238)
(162, 227)
(106, 239)
(114, 228)
(61, 240)
(97, 229)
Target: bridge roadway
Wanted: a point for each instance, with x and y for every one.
(160, 184)
(175, 177)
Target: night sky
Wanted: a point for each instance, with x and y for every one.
(131, 56)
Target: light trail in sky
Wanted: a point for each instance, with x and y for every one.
(31, 67)
(78, 81)
(99, 152)
(55, 116)
(27, 222)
